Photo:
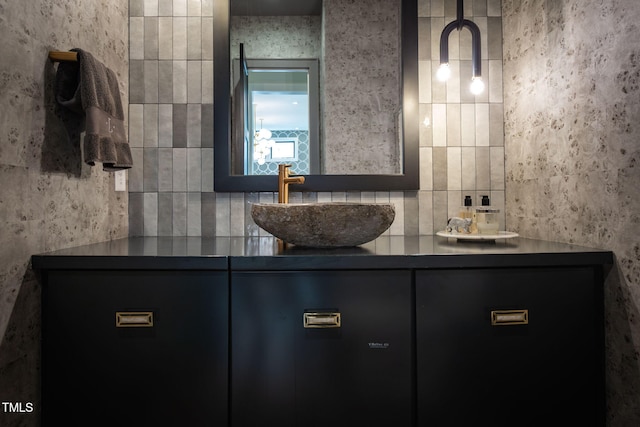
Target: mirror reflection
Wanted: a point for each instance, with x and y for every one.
(281, 98)
(276, 113)
(363, 135)
(317, 85)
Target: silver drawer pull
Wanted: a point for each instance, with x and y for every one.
(134, 319)
(321, 320)
(509, 317)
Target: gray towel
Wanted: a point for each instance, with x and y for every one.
(91, 89)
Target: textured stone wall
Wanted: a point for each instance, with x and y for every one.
(282, 37)
(361, 84)
(48, 198)
(572, 132)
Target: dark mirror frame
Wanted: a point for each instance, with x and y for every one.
(408, 180)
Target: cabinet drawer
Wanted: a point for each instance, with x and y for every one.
(320, 347)
(145, 347)
(504, 345)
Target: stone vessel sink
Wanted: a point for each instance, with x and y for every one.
(324, 225)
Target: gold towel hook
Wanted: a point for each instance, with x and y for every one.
(56, 56)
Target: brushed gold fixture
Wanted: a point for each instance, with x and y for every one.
(509, 317)
(56, 56)
(321, 320)
(134, 319)
(284, 179)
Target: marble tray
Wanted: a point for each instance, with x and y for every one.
(478, 237)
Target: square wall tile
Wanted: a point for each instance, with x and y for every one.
(136, 172)
(165, 214)
(426, 168)
(150, 172)
(194, 210)
(208, 214)
(150, 7)
(194, 125)
(207, 39)
(194, 38)
(207, 7)
(468, 164)
(180, 82)
(165, 169)
(136, 38)
(440, 170)
(440, 210)
(136, 125)
(194, 7)
(136, 214)
(453, 125)
(179, 169)
(136, 8)
(136, 81)
(150, 81)
(454, 168)
(165, 38)
(151, 38)
(165, 125)
(150, 226)
(194, 170)
(223, 214)
(439, 124)
(180, 38)
(179, 125)
(165, 7)
(179, 7)
(150, 124)
(179, 217)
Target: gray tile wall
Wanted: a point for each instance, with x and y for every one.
(171, 125)
(170, 115)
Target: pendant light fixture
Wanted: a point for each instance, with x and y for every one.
(443, 74)
(262, 143)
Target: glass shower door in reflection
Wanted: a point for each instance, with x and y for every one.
(276, 117)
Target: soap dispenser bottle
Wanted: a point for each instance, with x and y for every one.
(486, 217)
(466, 211)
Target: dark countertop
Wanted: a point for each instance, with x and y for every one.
(263, 253)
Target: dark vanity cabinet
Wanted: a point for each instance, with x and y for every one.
(134, 348)
(416, 332)
(510, 346)
(318, 348)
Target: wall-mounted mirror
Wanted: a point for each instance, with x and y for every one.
(330, 86)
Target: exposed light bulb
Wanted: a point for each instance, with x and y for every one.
(444, 72)
(477, 85)
(426, 121)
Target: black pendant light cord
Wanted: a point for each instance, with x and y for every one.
(458, 24)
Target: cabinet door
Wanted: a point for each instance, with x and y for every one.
(544, 372)
(283, 374)
(161, 361)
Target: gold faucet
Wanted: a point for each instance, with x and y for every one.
(284, 180)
